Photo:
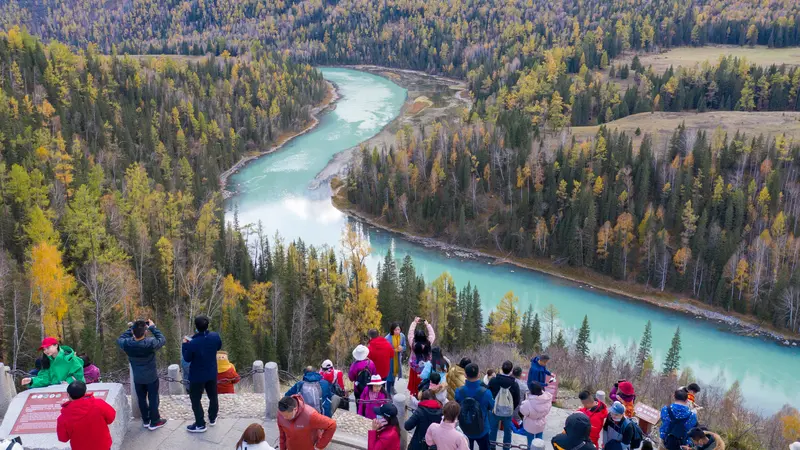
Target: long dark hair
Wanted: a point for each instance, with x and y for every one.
(392, 328)
(392, 422)
(422, 350)
(46, 359)
(437, 360)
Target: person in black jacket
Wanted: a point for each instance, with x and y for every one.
(201, 353)
(141, 353)
(428, 411)
(503, 381)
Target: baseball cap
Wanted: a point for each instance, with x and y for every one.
(47, 342)
(386, 410)
(327, 364)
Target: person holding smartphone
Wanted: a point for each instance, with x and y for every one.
(141, 353)
(201, 353)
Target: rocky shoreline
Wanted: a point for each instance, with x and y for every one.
(327, 104)
(735, 324)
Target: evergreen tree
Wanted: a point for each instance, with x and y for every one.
(238, 339)
(560, 341)
(388, 291)
(409, 292)
(645, 347)
(673, 361)
(536, 334)
(582, 345)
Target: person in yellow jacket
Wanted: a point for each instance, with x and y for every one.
(60, 365)
(456, 377)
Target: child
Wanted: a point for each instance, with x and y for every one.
(534, 412)
(373, 397)
(84, 420)
(488, 377)
(90, 372)
(438, 388)
(253, 438)
(693, 389)
(226, 374)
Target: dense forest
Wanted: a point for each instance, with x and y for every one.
(109, 195)
(524, 61)
(712, 216)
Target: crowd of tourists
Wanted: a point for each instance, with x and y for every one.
(453, 406)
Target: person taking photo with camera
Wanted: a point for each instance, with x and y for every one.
(141, 353)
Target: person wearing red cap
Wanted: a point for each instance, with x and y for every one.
(60, 364)
(624, 393)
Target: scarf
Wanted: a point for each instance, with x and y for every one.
(223, 365)
(395, 344)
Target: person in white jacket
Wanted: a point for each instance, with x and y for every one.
(254, 438)
(534, 411)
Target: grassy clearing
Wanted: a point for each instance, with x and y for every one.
(662, 124)
(691, 56)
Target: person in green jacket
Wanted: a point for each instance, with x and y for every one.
(60, 364)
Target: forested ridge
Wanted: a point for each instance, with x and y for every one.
(709, 215)
(109, 195)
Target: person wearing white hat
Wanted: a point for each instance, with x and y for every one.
(373, 397)
(794, 446)
(361, 371)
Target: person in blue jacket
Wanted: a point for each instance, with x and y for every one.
(538, 372)
(200, 351)
(472, 389)
(316, 392)
(677, 420)
(398, 342)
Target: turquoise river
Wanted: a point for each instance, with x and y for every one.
(276, 190)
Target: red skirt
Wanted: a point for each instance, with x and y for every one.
(413, 382)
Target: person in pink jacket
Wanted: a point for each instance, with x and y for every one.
(385, 433)
(444, 435)
(534, 411)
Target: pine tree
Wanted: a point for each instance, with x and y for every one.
(550, 317)
(536, 334)
(645, 347)
(582, 345)
(560, 342)
(409, 292)
(388, 291)
(673, 361)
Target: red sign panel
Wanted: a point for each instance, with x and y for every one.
(41, 410)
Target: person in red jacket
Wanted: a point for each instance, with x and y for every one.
(84, 420)
(597, 412)
(385, 432)
(380, 352)
(331, 375)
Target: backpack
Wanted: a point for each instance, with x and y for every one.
(471, 419)
(638, 435)
(424, 385)
(503, 403)
(676, 433)
(362, 380)
(312, 394)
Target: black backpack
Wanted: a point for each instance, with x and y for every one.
(638, 435)
(676, 433)
(424, 386)
(471, 419)
(363, 378)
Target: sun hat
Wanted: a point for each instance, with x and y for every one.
(327, 364)
(47, 342)
(376, 380)
(386, 410)
(360, 353)
(617, 408)
(626, 388)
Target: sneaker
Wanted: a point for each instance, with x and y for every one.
(158, 424)
(146, 424)
(213, 423)
(194, 428)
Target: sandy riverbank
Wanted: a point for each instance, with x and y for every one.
(430, 99)
(585, 278)
(328, 103)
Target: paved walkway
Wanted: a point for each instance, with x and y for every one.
(224, 435)
(239, 411)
